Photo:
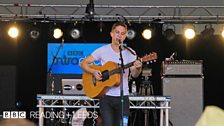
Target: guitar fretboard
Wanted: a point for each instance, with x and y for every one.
(153, 57)
(119, 68)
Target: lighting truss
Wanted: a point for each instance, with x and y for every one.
(170, 14)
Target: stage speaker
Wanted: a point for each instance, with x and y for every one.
(7, 88)
(72, 86)
(187, 99)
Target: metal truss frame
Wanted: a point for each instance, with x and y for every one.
(136, 102)
(170, 14)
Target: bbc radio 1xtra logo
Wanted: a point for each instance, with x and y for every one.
(14, 114)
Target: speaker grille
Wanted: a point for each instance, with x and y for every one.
(187, 99)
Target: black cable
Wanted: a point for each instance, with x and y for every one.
(170, 123)
(123, 18)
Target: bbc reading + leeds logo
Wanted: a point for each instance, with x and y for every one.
(14, 114)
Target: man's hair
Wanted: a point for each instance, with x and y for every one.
(119, 24)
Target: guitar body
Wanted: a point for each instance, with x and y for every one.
(110, 74)
(94, 88)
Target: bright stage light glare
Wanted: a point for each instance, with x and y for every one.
(147, 34)
(57, 33)
(13, 32)
(189, 33)
(222, 33)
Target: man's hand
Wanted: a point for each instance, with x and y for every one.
(136, 69)
(138, 64)
(97, 74)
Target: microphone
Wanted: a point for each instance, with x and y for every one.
(62, 43)
(118, 40)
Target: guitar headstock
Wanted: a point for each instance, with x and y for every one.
(152, 57)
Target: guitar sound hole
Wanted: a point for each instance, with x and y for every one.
(105, 75)
(94, 80)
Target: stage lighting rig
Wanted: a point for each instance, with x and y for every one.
(75, 33)
(131, 34)
(35, 33)
(90, 10)
(13, 32)
(208, 31)
(147, 34)
(189, 31)
(169, 32)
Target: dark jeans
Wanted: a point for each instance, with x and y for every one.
(110, 109)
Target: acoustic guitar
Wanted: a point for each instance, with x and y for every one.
(110, 77)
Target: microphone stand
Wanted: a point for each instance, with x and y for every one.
(51, 78)
(49, 72)
(121, 84)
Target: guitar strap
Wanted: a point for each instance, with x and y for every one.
(133, 53)
(130, 50)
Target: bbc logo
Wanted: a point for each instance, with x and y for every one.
(14, 114)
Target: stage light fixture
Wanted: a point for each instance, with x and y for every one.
(90, 10)
(189, 31)
(57, 33)
(222, 33)
(131, 34)
(169, 32)
(13, 32)
(34, 33)
(75, 33)
(208, 31)
(147, 34)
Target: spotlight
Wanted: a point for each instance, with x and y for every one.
(57, 33)
(208, 31)
(222, 33)
(169, 33)
(189, 31)
(75, 33)
(34, 33)
(13, 32)
(147, 34)
(130, 34)
(90, 9)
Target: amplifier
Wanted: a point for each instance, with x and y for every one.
(187, 99)
(183, 67)
(72, 86)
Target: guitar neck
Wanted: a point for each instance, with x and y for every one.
(119, 68)
(152, 56)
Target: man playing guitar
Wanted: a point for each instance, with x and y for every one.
(110, 104)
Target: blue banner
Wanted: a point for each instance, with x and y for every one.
(69, 57)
